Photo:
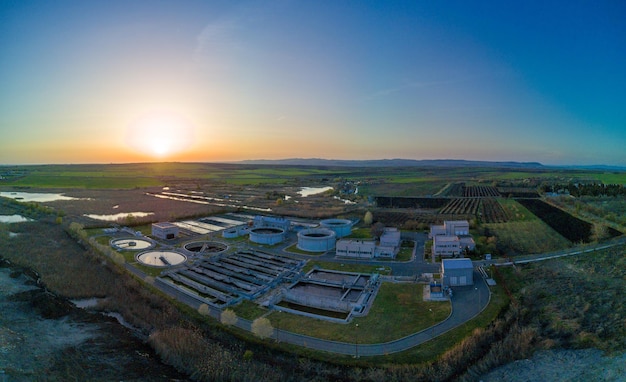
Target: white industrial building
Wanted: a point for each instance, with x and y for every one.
(450, 228)
(451, 239)
(457, 272)
(388, 246)
(165, 230)
(361, 249)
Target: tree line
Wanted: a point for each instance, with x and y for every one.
(587, 189)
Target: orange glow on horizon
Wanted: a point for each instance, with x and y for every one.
(160, 135)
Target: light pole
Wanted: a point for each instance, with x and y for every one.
(356, 341)
(432, 327)
(478, 292)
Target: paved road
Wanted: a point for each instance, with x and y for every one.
(467, 302)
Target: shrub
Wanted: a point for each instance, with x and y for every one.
(262, 327)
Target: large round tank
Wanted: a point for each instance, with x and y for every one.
(341, 227)
(161, 258)
(204, 247)
(267, 235)
(316, 240)
(132, 244)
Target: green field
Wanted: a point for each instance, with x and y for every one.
(113, 176)
(524, 233)
(516, 211)
(397, 312)
(392, 181)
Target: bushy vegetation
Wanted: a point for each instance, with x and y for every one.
(586, 189)
(606, 210)
(577, 301)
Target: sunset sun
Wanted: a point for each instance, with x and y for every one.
(160, 135)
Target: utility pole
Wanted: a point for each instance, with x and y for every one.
(432, 328)
(356, 341)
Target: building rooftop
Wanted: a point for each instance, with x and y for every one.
(446, 238)
(164, 225)
(463, 263)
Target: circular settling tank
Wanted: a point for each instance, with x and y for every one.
(132, 244)
(204, 247)
(161, 258)
(267, 235)
(316, 239)
(341, 227)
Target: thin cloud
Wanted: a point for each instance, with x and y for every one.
(216, 38)
(408, 85)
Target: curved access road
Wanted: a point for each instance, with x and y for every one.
(467, 302)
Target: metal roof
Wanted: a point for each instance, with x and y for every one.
(463, 263)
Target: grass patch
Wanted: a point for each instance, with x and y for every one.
(516, 211)
(397, 312)
(433, 349)
(527, 237)
(294, 249)
(360, 233)
(248, 310)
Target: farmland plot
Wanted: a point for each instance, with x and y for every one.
(399, 219)
(461, 206)
(572, 228)
(480, 191)
(527, 237)
(489, 209)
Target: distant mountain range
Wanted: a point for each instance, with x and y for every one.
(318, 162)
(390, 163)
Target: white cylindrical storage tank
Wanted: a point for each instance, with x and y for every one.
(316, 240)
(341, 227)
(267, 235)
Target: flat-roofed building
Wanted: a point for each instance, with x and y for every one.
(363, 249)
(389, 244)
(450, 228)
(457, 272)
(165, 230)
(451, 239)
(446, 246)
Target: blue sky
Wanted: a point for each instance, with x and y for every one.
(89, 81)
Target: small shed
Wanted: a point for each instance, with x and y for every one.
(457, 272)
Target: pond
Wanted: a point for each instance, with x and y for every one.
(13, 219)
(308, 191)
(121, 215)
(35, 197)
